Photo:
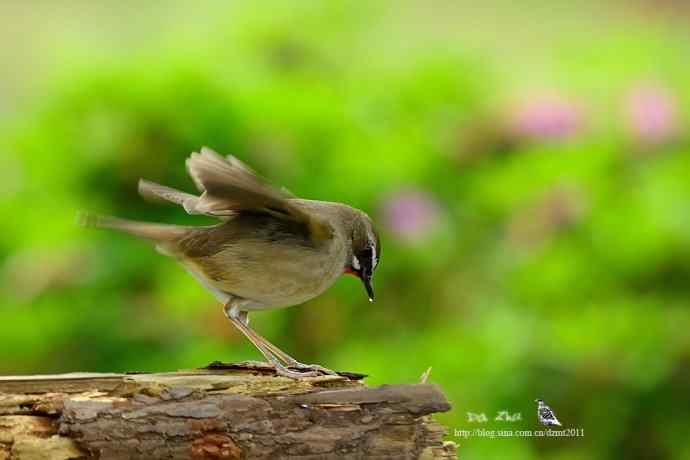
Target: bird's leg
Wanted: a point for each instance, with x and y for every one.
(232, 313)
(287, 359)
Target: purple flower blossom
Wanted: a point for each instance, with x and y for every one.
(651, 113)
(545, 117)
(410, 214)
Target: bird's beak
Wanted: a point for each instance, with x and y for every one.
(366, 280)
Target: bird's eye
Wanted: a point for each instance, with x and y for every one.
(367, 259)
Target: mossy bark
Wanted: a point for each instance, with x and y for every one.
(222, 412)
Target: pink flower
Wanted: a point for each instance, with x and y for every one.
(651, 113)
(411, 214)
(545, 117)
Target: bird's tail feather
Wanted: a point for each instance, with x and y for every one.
(151, 231)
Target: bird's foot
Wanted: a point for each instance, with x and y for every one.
(285, 372)
(312, 368)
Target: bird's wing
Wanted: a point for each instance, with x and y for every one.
(156, 192)
(229, 186)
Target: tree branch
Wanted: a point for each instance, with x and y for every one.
(233, 411)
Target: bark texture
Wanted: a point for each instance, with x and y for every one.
(238, 411)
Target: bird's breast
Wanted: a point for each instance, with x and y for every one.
(272, 275)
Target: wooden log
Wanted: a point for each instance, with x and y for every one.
(238, 411)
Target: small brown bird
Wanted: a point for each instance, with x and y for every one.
(270, 250)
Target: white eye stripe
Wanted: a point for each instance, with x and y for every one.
(374, 256)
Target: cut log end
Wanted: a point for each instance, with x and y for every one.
(223, 411)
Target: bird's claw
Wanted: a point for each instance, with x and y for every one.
(302, 370)
(285, 372)
(313, 368)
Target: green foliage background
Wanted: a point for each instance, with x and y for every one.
(505, 297)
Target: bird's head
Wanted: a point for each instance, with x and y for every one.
(366, 251)
(539, 401)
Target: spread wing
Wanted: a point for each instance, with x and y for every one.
(227, 184)
(156, 192)
(228, 187)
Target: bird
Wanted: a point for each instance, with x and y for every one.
(545, 414)
(269, 249)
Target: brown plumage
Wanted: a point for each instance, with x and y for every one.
(270, 249)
